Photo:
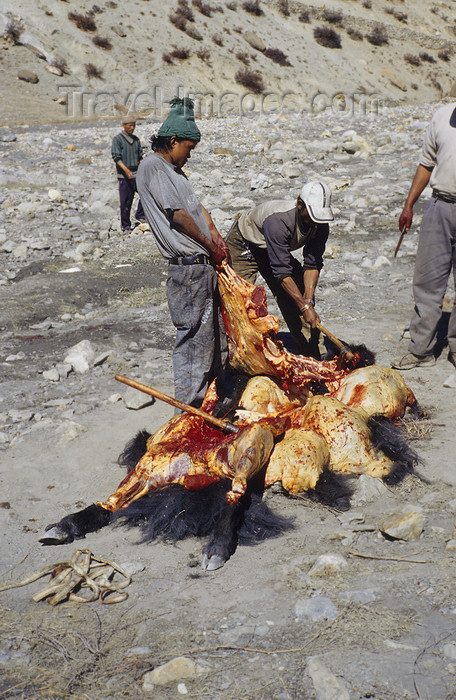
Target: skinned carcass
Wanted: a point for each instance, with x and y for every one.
(286, 434)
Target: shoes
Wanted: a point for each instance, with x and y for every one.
(126, 229)
(452, 358)
(140, 221)
(410, 361)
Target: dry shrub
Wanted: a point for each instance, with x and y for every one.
(182, 54)
(304, 16)
(203, 7)
(427, 57)
(367, 4)
(103, 42)
(179, 22)
(326, 36)
(253, 6)
(92, 71)
(59, 63)
(166, 58)
(217, 39)
(232, 6)
(13, 30)
(444, 55)
(184, 9)
(95, 10)
(377, 37)
(412, 59)
(354, 34)
(400, 16)
(204, 54)
(112, 4)
(277, 56)
(333, 17)
(283, 8)
(250, 79)
(243, 57)
(84, 22)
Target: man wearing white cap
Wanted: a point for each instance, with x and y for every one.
(262, 240)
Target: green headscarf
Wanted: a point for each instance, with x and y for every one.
(180, 120)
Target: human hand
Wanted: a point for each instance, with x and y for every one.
(405, 219)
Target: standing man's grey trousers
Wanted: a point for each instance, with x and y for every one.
(200, 351)
(436, 257)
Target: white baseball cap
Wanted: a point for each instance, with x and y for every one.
(317, 198)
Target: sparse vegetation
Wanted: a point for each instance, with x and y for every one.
(354, 34)
(250, 79)
(184, 9)
(243, 57)
(180, 53)
(277, 56)
(179, 22)
(328, 37)
(92, 71)
(304, 16)
(377, 37)
(204, 54)
(333, 17)
(253, 6)
(203, 7)
(232, 6)
(367, 4)
(112, 4)
(412, 59)
(283, 8)
(217, 39)
(95, 10)
(427, 57)
(102, 42)
(13, 30)
(59, 63)
(84, 22)
(400, 16)
(193, 33)
(166, 58)
(444, 55)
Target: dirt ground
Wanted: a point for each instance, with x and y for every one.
(387, 622)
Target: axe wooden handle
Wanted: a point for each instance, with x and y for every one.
(224, 425)
(336, 341)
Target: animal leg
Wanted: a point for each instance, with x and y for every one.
(224, 538)
(76, 525)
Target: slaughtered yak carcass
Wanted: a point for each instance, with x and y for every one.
(297, 419)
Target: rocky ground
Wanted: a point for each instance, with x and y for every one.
(380, 622)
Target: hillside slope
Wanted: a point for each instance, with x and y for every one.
(393, 51)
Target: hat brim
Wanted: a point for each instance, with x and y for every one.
(320, 215)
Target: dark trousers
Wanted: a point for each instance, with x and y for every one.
(127, 189)
(248, 260)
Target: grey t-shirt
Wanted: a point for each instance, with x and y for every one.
(439, 150)
(163, 189)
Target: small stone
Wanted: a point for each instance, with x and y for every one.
(449, 650)
(182, 689)
(80, 356)
(71, 147)
(220, 151)
(328, 565)
(54, 70)
(254, 41)
(367, 488)
(176, 669)
(451, 546)
(52, 375)
(406, 525)
(114, 398)
(290, 171)
(450, 381)
(313, 609)
(54, 195)
(28, 76)
(135, 399)
(327, 685)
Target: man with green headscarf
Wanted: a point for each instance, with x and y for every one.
(187, 237)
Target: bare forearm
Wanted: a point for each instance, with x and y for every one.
(310, 283)
(419, 182)
(184, 222)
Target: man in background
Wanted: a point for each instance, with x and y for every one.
(127, 153)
